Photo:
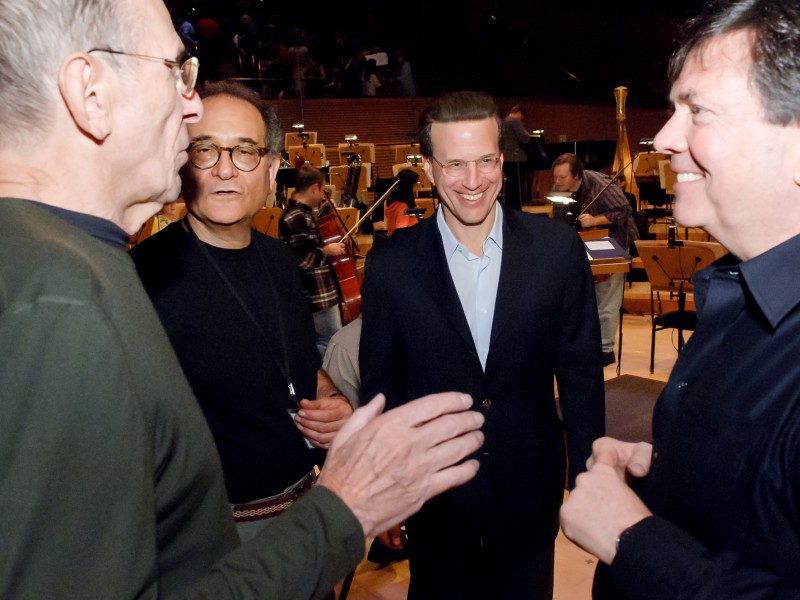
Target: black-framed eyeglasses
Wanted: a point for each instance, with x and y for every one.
(245, 157)
(455, 168)
(185, 66)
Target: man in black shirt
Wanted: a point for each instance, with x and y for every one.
(713, 510)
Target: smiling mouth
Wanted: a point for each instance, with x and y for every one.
(472, 196)
(688, 177)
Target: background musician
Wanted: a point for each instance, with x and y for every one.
(600, 205)
(514, 146)
(232, 304)
(299, 229)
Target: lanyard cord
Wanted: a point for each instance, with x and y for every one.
(283, 366)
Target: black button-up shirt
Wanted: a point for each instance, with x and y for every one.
(725, 480)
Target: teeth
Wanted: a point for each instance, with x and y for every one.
(686, 177)
(472, 196)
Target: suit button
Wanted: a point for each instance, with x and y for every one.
(487, 404)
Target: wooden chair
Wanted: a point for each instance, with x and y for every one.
(428, 204)
(145, 232)
(365, 150)
(314, 154)
(349, 215)
(266, 221)
(423, 185)
(401, 151)
(670, 269)
(593, 234)
(292, 138)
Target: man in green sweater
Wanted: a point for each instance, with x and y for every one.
(110, 486)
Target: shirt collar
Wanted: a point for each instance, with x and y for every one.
(770, 278)
(97, 227)
(451, 244)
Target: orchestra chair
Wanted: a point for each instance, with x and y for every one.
(423, 185)
(666, 176)
(428, 204)
(338, 176)
(670, 267)
(349, 215)
(401, 151)
(145, 232)
(365, 150)
(313, 154)
(266, 221)
(593, 234)
(292, 138)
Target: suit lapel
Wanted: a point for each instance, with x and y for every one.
(514, 277)
(435, 280)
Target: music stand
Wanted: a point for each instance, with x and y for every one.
(670, 267)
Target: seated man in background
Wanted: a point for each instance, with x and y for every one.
(298, 228)
(111, 486)
(600, 203)
(231, 301)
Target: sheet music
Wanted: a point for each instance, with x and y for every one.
(599, 245)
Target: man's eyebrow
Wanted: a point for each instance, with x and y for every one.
(208, 138)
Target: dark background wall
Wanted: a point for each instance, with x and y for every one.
(552, 50)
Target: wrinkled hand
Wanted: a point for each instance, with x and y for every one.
(385, 466)
(602, 505)
(320, 420)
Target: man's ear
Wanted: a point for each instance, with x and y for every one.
(426, 166)
(274, 165)
(83, 84)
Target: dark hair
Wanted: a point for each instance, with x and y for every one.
(308, 176)
(518, 108)
(775, 48)
(575, 164)
(458, 106)
(274, 137)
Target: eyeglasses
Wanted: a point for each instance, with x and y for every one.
(455, 168)
(245, 157)
(185, 66)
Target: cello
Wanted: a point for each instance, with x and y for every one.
(344, 266)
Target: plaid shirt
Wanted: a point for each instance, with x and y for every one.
(298, 229)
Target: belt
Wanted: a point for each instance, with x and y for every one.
(274, 505)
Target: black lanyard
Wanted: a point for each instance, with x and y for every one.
(283, 365)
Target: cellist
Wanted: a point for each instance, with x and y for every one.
(299, 229)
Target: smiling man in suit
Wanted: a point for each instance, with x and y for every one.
(494, 303)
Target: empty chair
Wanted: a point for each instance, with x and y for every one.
(266, 221)
(670, 268)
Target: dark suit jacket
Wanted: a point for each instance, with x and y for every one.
(416, 341)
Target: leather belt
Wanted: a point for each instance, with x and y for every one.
(274, 505)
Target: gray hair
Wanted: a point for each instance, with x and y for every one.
(775, 50)
(35, 38)
(234, 89)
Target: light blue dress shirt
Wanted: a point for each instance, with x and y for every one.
(475, 278)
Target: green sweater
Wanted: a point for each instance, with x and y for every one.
(110, 485)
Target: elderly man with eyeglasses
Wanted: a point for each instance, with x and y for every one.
(110, 485)
(495, 303)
